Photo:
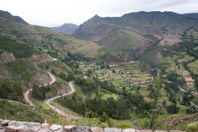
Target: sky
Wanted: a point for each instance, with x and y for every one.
(57, 12)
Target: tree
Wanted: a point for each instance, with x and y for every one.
(105, 118)
(10, 90)
(172, 109)
(155, 94)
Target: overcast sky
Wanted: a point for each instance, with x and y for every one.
(57, 12)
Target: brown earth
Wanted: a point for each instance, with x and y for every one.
(40, 58)
(7, 57)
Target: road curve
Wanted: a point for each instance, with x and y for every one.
(26, 94)
(26, 97)
(52, 99)
(53, 79)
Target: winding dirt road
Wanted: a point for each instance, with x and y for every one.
(48, 101)
(52, 99)
(26, 94)
(26, 97)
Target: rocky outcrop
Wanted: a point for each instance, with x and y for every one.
(41, 79)
(18, 126)
(41, 58)
(7, 57)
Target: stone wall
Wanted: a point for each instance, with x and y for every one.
(18, 126)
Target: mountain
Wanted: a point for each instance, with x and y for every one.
(43, 37)
(133, 33)
(123, 63)
(193, 16)
(7, 16)
(67, 28)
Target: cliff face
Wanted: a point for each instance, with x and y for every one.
(18, 126)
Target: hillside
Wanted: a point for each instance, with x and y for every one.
(136, 31)
(135, 71)
(8, 16)
(67, 28)
(45, 38)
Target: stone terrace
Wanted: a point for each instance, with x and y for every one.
(18, 126)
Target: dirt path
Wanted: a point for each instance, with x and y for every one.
(26, 93)
(54, 108)
(26, 97)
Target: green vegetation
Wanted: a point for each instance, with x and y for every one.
(193, 127)
(17, 111)
(21, 69)
(39, 92)
(159, 86)
(20, 50)
(10, 90)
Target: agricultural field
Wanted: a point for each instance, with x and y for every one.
(176, 63)
(123, 76)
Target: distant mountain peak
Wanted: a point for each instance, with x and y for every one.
(96, 16)
(67, 28)
(6, 14)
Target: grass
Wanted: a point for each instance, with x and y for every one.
(194, 67)
(17, 111)
(20, 50)
(21, 69)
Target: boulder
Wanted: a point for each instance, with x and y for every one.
(45, 125)
(81, 129)
(96, 129)
(144, 130)
(68, 128)
(161, 131)
(128, 130)
(112, 130)
(44, 130)
(4, 123)
(11, 123)
(55, 127)
(13, 128)
(2, 130)
(33, 126)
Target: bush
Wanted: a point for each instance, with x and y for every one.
(40, 92)
(20, 50)
(173, 109)
(10, 90)
(193, 127)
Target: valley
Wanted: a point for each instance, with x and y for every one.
(133, 71)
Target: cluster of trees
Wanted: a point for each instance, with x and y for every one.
(117, 109)
(20, 50)
(40, 92)
(10, 90)
(69, 76)
(76, 57)
(90, 85)
(88, 107)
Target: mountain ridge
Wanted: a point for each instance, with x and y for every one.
(115, 32)
(7, 15)
(67, 28)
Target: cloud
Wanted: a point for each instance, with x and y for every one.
(57, 12)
